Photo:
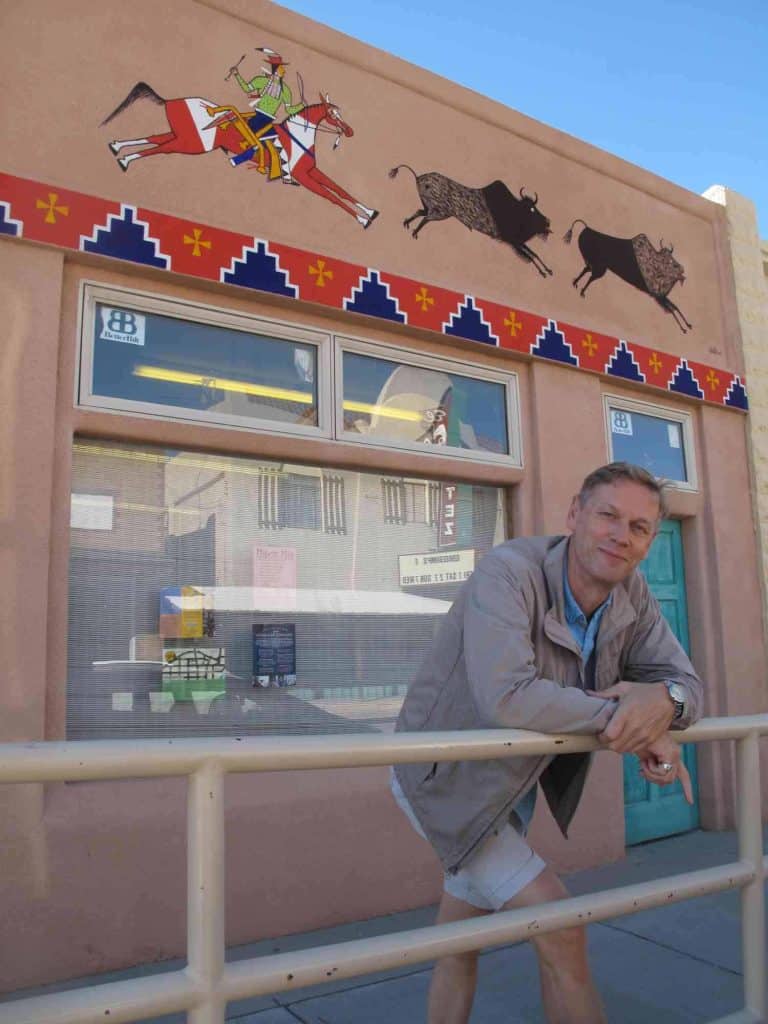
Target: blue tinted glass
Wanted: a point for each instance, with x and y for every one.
(398, 402)
(649, 441)
(145, 357)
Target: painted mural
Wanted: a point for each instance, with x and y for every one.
(53, 215)
(493, 210)
(280, 149)
(634, 260)
(276, 137)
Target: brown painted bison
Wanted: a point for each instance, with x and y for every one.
(493, 210)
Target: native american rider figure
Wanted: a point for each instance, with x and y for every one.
(269, 92)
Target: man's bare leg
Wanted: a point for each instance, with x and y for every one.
(452, 987)
(567, 989)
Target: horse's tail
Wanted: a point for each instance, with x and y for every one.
(140, 91)
(393, 172)
(569, 233)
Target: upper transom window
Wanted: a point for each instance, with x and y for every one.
(655, 437)
(399, 399)
(169, 358)
(173, 359)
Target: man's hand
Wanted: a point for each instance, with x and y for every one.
(662, 764)
(644, 714)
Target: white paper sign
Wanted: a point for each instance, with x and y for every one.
(435, 567)
(621, 422)
(122, 325)
(673, 432)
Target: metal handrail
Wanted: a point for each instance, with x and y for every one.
(205, 985)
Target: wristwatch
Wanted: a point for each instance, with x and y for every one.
(677, 696)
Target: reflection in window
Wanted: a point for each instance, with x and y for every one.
(654, 442)
(235, 596)
(301, 501)
(92, 511)
(215, 370)
(396, 402)
(393, 500)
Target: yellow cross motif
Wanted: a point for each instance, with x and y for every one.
(196, 241)
(321, 273)
(713, 380)
(589, 343)
(655, 363)
(424, 299)
(51, 209)
(512, 323)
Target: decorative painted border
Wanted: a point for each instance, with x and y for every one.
(46, 213)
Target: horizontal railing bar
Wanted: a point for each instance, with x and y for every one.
(119, 1002)
(82, 760)
(290, 971)
(124, 1001)
(93, 759)
(740, 1017)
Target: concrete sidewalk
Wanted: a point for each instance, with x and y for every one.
(680, 963)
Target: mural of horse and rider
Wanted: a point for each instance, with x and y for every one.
(284, 150)
(281, 150)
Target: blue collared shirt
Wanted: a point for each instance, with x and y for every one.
(584, 631)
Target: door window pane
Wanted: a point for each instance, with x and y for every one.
(235, 596)
(210, 371)
(654, 442)
(412, 405)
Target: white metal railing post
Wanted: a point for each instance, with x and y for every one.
(751, 850)
(206, 891)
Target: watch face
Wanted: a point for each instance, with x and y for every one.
(677, 693)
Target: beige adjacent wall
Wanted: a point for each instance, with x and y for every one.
(749, 259)
(92, 875)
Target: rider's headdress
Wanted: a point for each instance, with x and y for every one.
(272, 56)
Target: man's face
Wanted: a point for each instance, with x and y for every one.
(612, 532)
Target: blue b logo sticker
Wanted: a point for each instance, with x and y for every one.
(122, 325)
(621, 422)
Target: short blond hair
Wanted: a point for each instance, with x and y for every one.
(615, 471)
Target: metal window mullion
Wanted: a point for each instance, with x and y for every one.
(751, 851)
(342, 505)
(206, 891)
(274, 500)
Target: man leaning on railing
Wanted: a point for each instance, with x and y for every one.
(559, 635)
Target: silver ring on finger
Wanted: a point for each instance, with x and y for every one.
(666, 767)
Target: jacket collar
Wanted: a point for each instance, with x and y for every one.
(618, 615)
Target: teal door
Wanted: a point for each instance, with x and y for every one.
(652, 811)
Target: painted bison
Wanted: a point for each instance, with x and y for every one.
(493, 210)
(634, 260)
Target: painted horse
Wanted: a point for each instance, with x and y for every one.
(197, 125)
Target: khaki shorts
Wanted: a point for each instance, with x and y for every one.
(499, 868)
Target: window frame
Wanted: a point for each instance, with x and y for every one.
(445, 364)
(663, 412)
(93, 293)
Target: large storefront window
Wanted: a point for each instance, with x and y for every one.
(218, 595)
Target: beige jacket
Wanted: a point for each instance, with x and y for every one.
(505, 657)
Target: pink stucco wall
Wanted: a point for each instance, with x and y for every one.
(92, 875)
